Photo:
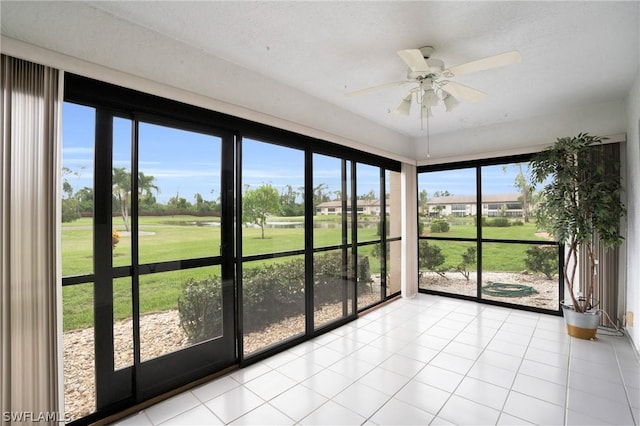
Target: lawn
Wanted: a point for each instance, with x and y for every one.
(165, 238)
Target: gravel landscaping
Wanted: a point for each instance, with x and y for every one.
(160, 333)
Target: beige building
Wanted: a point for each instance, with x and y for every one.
(493, 205)
(363, 206)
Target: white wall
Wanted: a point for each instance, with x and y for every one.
(632, 183)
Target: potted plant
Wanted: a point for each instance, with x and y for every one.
(580, 200)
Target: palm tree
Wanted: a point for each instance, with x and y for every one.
(121, 181)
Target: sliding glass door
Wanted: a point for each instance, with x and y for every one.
(164, 292)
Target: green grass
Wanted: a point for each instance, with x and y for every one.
(173, 239)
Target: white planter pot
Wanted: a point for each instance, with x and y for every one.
(583, 325)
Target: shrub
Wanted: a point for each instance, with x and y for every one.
(517, 222)
(274, 292)
(431, 257)
(69, 210)
(498, 222)
(270, 293)
(200, 309)
(115, 239)
(483, 220)
(542, 259)
(439, 226)
(468, 259)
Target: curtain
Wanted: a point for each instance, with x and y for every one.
(607, 280)
(29, 170)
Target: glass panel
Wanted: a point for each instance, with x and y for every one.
(122, 323)
(77, 189)
(272, 198)
(394, 204)
(332, 288)
(121, 185)
(273, 301)
(179, 309)
(78, 347)
(506, 203)
(179, 194)
(522, 274)
(394, 267)
(327, 201)
(447, 203)
(448, 266)
(368, 205)
(369, 278)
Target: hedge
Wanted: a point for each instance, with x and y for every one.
(270, 293)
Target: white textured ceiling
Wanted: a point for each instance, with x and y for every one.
(575, 54)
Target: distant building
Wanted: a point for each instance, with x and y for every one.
(493, 205)
(363, 207)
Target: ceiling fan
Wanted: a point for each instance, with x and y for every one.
(433, 80)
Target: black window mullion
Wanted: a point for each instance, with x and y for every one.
(479, 231)
(354, 235)
(135, 247)
(383, 234)
(102, 226)
(308, 241)
(238, 251)
(228, 194)
(345, 241)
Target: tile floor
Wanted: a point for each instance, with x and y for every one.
(426, 360)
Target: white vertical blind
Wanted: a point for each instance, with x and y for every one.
(29, 170)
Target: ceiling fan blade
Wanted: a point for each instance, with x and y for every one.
(414, 60)
(404, 107)
(376, 88)
(496, 61)
(463, 92)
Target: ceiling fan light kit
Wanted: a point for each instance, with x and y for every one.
(434, 84)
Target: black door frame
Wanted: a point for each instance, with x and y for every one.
(144, 380)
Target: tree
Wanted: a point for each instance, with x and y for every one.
(69, 203)
(146, 184)
(431, 258)
(580, 202)
(258, 203)
(369, 196)
(121, 182)
(423, 197)
(468, 259)
(289, 204)
(85, 199)
(526, 191)
(197, 197)
(319, 195)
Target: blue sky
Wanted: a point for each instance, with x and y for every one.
(187, 163)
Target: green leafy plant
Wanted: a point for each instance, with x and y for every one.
(200, 309)
(258, 203)
(439, 226)
(497, 222)
(431, 258)
(542, 259)
(468, 259)
(580, 201)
